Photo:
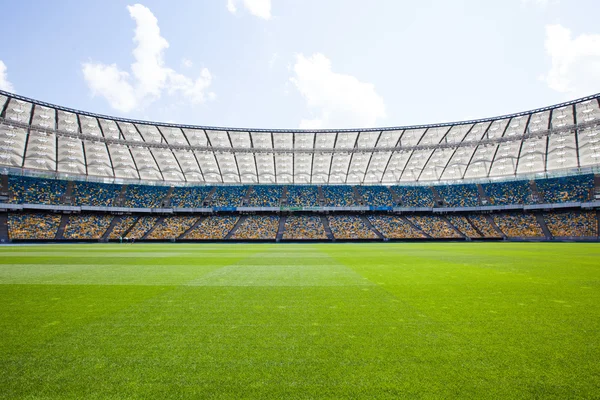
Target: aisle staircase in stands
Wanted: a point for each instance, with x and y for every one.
(371, 227)
(596, 194)
(283, 201)
(328, 232)
(4, 238)
(536, 196)
(67, 198)
(358, 199)
(194, 226)
(246, 198)
(281, 228)
(483, 198)
(416, 227)
(60, 232)
(463, 235)
(496, 228)
(395, 198)
(321, 196)
(110, 228)
(239, 223)
(207, 200)
(540, 219)
(438, 201)
(156, 224)
(166, 202)
(120, 200)
(4, 192)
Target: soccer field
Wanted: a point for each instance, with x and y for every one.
(427, 320)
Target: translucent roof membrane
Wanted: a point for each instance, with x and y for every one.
(40, 136)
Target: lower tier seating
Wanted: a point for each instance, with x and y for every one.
(257, 227)
(212, 228)
(350, 227)
(518, 225)
(572, 224)
(95, 226)
(300, 227)
(90, 226)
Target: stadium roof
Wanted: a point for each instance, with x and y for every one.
(38, 136)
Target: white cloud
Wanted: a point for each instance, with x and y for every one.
(149, 76)
(187, 63)
(4, 83)
(337, 100)
(258, 8)
(575, 69)
(231, 6)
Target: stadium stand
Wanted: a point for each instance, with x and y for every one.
(95, 194)
(228, 196)
(459, 195)
(29, 190)
(38, 226)
(481, 223)
(350, 227)
(303, 196)
(89, 226)
(189, 197)
(376, 196)
(304, 227)
(142, 226)
(257, 227)
(435, 226)
(414, 196)
(265, 196)
(572, 224)
(462, 224)
(212, 228)
(338, 196)
(506, 193)
(518, 225)
(122, 227)
(566, 189)
(139, 196)
(172, 227)
(394, 227)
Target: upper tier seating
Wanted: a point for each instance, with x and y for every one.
(394, 227)
(573, 224)
(505, 193)
(459, 195)
(338, 196)
(95, 194)
(376, 196)
(434, 226)
(172, 227)
(213, 228)
(265, 196)
(566, 189)
(303, 196)
(304, 227)
(138, 196)
(462, 224)
(350, 227)
(228, 196)
(518, 225)
(33, 226)
(88, 226)
(29, 190)
(257, 227)
(414, 196)
(189, 197)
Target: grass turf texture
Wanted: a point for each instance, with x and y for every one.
(333, 321)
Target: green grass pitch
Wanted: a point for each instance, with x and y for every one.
(300, 321)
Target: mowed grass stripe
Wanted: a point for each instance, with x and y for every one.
(349, 321)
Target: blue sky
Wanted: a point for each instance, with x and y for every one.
(301, 63)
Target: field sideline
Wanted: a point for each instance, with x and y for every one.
(385, 320)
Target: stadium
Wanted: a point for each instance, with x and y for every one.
(69, 175)
(260, 199)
